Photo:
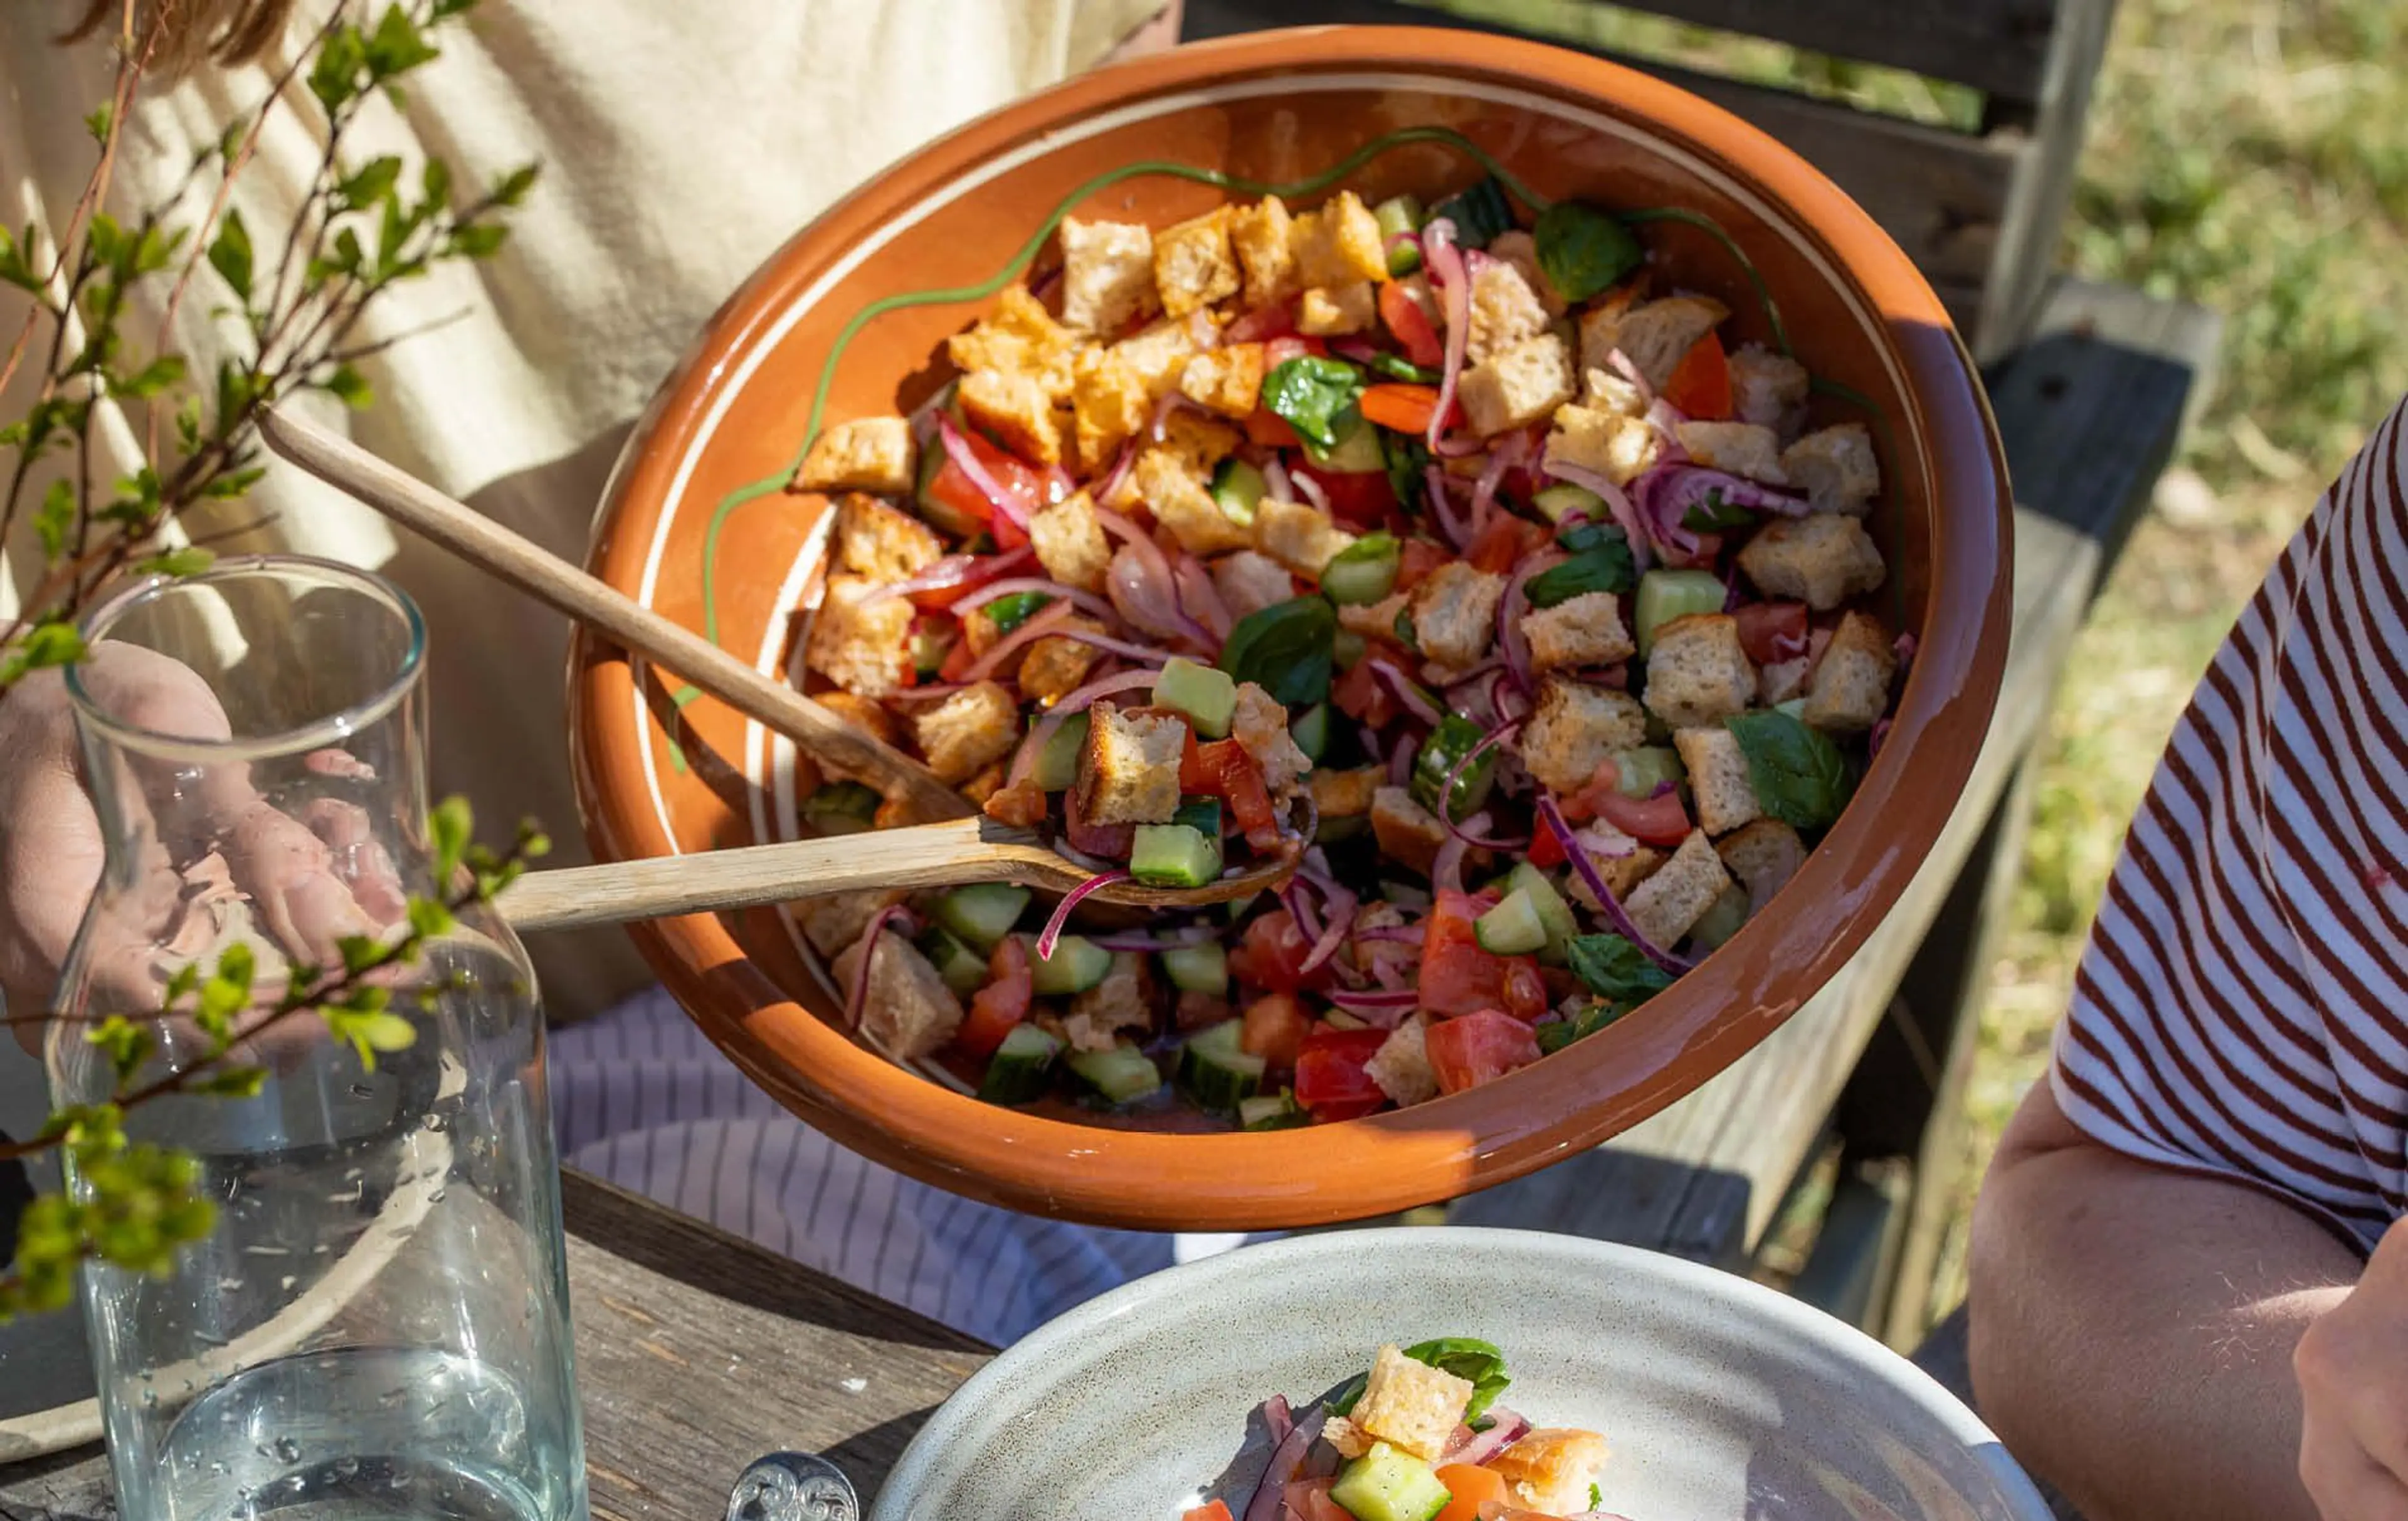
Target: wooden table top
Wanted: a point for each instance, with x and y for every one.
(697, 1352)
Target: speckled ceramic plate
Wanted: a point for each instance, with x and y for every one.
(1721, 1400)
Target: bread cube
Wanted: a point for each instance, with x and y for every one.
(1741, 448)
(1263, 235)
(1017, 407)
(1822, 559)
(1340, 244)
(1766, 387)
(1177, 497)
(1056, 665)
(1193, 265)
(1521, 251)
(880, 544)
(1107, 273)
(833, 921)
(1504, 311)
(1517, 387)
(1155, 357)
(1375, 620)
(1227, 381)
(857, 642)
(1677, 895)
(1098, 1015)
(1407, 832)
(869, 453)
(1410, 1405)
(1128, 770)
(1698, 673)
(1763, 856)
(1583, 630)
(1401, 1065)
(866, 715)
(1850, 689)
(906, 1011)
(1454, 613)
(1552, 1470)
(1610, 390)
(1618, 446)
(1070, 542)
(1018, 334)
(1574, 728)
(1654, 336)
(1624, 866)
(1109, 403)
(1300, 536)
(1837, 468)
(1345, 795)
(1260, 728)
(971, 727)
(1719, 779)
(1330, 311)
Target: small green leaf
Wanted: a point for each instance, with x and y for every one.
(127, 1045)
(348, 387)
(1311, 393)
(99, 122)
(186, 978)
(237, 965)
(512, 188)
(55, 518)
(1799, 776)
(360, 953)
(1286, 649)
(429, 918)
(435, 181)
(449, 824)
(1614, 968)
(232, 485)
(349, 255)
(368, 185)
(393, 231)
(233, 1083)
(189, 560)
(154, 377)
(45, 645)
(478, 239)
(335, 77)
(388, 1032)
(396, 46)
(229, 255)
(230, 141)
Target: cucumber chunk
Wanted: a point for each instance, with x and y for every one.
(963, 970)
(1397, 216)
(1454, 737)
(1058, 764)
(1208, 696)
(1722, 919)
(1311, 732)
(1513, 927)
(1021, 1067)
(1174, 856)
(1385, 1484)
(1122, 1075)
(1559, 502)
(1666, 594)
(981, 913)
(1216, 1071)
(1239, 488)
(1554, 913)
(841, 808)
(1198, 968)
(1271, 1113)
(1201, 814)
(1639, 772)
(1076, 965)
(1364, 571)
(1357, 451)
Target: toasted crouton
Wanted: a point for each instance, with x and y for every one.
(1718, 777)
(1837, 467)
(1407, 832)
(1156, 357)
(1374, 620)
(1781, 681)
(1697, 672)
(1611, 391)
(1677, 895)
(1340, 244)
(1575, 728)
(1504, 311)
(1199, 442)
(1109, 404)
(1018, 334)
(1227, 381)
(1401, 1065)
(1117, 1003)
(1740, 447)
(1822, 559)
(1177, 497)
(880, 544)
(1766, 386)
(857, 642)
(1653, 335)
(869, 716)
(1249, 583)
(1193, 263)
(1107, 273)
(1454, 613)
(1345, 1437)
(1128, 770)
(1260, 727)
(1329, 311)
(1521, 251)
(1763, 856)
(1850, 689)
(908, 1012)
(869, 453)
(1617, 446)
(1599, 328)
(1622, 861)
(1345, 795)
(1517, 387)
(1263, 235)
(1056, 665)
(1550, 1470)
(1301, 538)
(1584, 630)
(1410, 1405)
(973, 726)
(833, 921)
(1015, 407)
(1071, 543)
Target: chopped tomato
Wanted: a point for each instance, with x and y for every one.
(1496, 548)
(1362, 695)
(1359, 500)
(1216, 1511)
(1331, 1075)
(1000, 1005)
(1411, 327)
(1771, 631)
(985, 568)
(1406, 408)
(1479, 1047)
(1458, 977)
(1546, 851)
(1308, 1499)
(1709, 551)
(1275, 1028)
(1416, 558)
(1660, 820)
(1525, 988)
(1271, 955)
(1280, 350)
(1470, 1487)
(1700, 383)
(1271, 430)
(953, 490)
(1224, 770)
(958, 659)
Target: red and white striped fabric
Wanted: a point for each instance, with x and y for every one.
(2243, 1008)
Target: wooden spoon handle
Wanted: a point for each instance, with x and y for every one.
(749, 876)
(490, 547)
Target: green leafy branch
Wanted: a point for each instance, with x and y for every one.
(138, 1203)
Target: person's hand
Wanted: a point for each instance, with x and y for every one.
(2353, 1371)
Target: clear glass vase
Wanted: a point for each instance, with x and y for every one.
(378, 1322)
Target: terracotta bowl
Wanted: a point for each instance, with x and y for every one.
(849, 319)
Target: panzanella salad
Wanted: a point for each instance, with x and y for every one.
(1419, 1437)
(1484, 540)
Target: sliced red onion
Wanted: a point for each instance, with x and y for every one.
(1311, 491)
(1172, 400)
(1456, 531)
(1505, 1429)
(1879, 737)
(1356, 351)
(1260, 325)
(1141, 586)
(958, 449)
(1402, 934)
(1299, 908)
(1668, 492)
(923, 421)
(1277, 1418)
(1622, 366)
(1401, 762)
(952, 571)
(1045, 621)
(1409, 692)
(1059, 487)
(1483, 491)
(1626, 514)
(1578, 855)
(1666, 419)
(1122, 648)
(860, 991)
(1447, 272)
(1110, 484)
(1373, 745)
(1051, 935)
(1903, 648)
(1446, 873)
(1502, 697)
(1276, 482)
(1199, 598)
(1074, 701)
(1286, 1457)
(1511, 609)
(1083, 601)
(1446, 790)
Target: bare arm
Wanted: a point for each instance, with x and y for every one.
(2133, 1328)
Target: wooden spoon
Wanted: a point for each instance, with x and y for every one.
(923, 855)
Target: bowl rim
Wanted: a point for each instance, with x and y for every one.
(1552, 1254)
(1460, 1143)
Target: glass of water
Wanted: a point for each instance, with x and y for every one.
(378, 1324)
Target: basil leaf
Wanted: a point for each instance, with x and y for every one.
(1397, 366)
(1408, 465)
(1310, 394)
(1286, 649)
(1563, 1032)
(1605, 567)
(1800, 777)
(1480, 213)
(1480, 1362)
(1583, 534)
(1583, 249)
(1613, 968)
(1406, 634)
(1012, 609)
(1714, 515)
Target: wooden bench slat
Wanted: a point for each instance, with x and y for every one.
(1998, 47)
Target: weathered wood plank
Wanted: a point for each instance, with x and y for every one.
(697, 1352)
(2053, 120)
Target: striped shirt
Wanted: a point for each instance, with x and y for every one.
(2242, 1010)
